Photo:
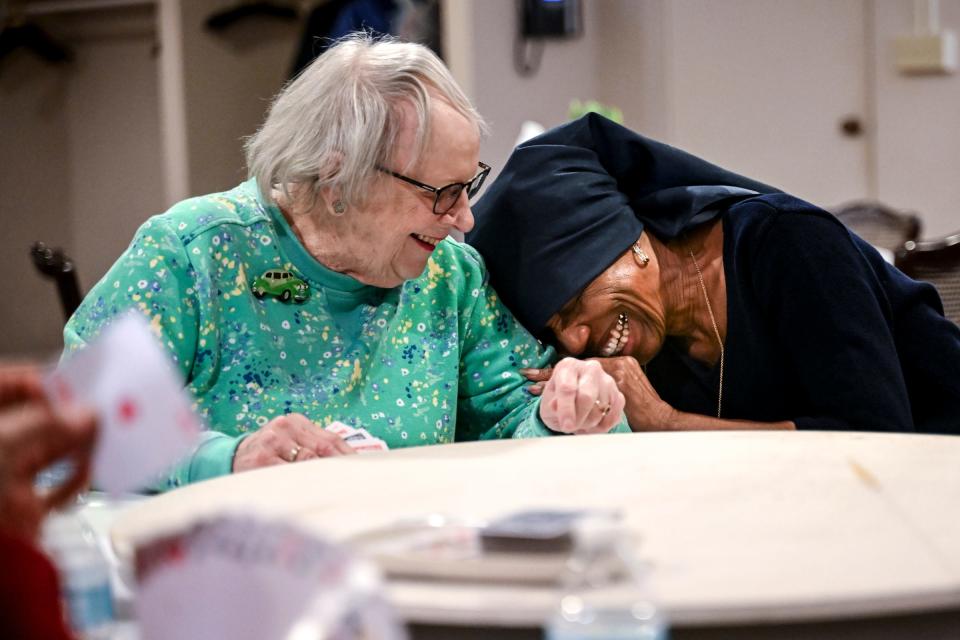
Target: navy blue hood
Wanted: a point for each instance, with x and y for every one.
(570, 201)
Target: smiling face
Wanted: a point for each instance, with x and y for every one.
(390, 238)
(620, 313)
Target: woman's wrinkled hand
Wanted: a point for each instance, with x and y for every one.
(579, 397)
(289, 438)
(644, 408)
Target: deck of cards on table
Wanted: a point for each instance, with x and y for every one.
(361, 440)
(146, 418)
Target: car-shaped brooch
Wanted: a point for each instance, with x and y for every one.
(281, 284)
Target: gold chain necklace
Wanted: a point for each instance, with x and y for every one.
(716, 330)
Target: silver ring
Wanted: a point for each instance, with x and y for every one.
(294, 453)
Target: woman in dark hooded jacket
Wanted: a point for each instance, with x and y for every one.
(716, 302)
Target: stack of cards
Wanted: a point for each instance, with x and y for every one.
(360, 440)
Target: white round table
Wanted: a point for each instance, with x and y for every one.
(742, 530)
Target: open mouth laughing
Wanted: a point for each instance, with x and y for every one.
(427, 243)
(618, 337)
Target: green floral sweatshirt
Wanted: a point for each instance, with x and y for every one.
(432, 361)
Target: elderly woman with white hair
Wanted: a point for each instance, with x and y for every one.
(326, 288)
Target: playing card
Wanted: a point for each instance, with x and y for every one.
(341, 429)
(360, 440)
(145, 416)
(246, 579)
(375, 444)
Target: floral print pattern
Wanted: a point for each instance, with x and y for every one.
(432, 361)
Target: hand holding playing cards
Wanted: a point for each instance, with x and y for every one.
(580, 397)
(33, 436)
(289, 438)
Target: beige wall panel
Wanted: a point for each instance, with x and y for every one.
(33, 199)
(755, 85)
(568, 70)
(80, 162)
(632, 56)
(761, 87)
(229, 79)
(918, 126)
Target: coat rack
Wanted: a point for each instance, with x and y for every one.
(17, 31)
(243, 11)
(64, 6)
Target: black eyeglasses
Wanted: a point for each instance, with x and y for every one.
(446, 197)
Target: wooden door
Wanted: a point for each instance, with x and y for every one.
(764, 87)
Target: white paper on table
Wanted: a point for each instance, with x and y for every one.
(145, 415)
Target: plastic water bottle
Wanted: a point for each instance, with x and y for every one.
(84, 575)
(604, 595)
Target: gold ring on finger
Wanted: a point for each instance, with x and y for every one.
(294, 453)
(604, 408)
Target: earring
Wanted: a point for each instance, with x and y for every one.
(338, 207)
(640, 255)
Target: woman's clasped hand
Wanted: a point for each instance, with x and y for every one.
(646, 408)
(578, 397)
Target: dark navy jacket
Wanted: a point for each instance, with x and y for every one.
(820, 330)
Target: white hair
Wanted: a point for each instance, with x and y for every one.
(333, 124)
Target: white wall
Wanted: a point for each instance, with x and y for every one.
(82, 155)
(229, 79)
(81, 152)
(755, 85)
(79, 162)
(481, 57)
(918, 126)
(761, 87)
(633, 57)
